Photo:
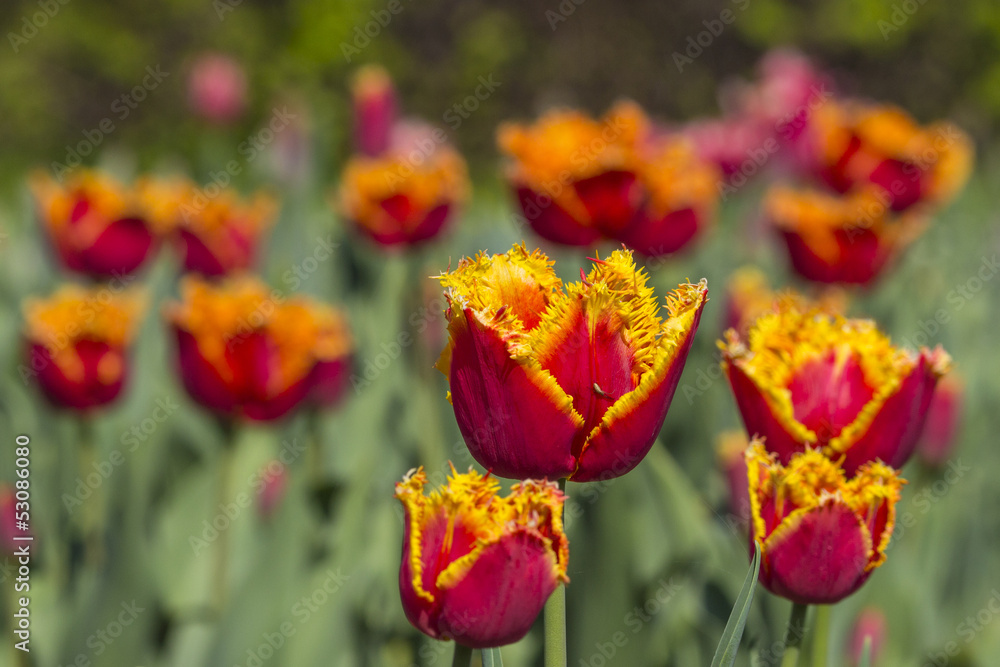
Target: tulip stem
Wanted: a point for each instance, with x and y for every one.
(555, 621)
(821, 636)
(219, 591)
(794, 634)
(91, 530)
(463, 656)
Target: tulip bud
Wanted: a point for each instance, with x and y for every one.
(478, 567)
(217, 88)
(274, 483)
(374, 99)
(821, 534)
(871, 624)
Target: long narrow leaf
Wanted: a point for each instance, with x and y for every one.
(491, 657)
(729, 645)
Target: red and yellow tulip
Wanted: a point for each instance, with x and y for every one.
(404, 198)
(821, 533)
(216, 232)
(578, 180)
(805, 379)
(96, 225)
(859, 144)
(749, 295)
(78, 343)
(247, 351)
(834, 238)
(558, 381)
(478, 567)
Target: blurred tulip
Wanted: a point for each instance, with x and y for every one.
(804, 379)
(730, 454)
(217, 88)
(749, 295)
(944, 417)
(734, 145)
(578, 180)
(245, 351)
(273, 485)
(847, 239)
(78, 343)
(821, 534)
(870, 623)
(374, 100)
(859, 143)
(97, 226)
(405, 198)
(217, 234)
(553, 382)
(8, 521)
(477, 567)
(334, 347)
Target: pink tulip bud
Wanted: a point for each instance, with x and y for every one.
(374, 110)
(870, 623)
(217, 88)
(274, 477)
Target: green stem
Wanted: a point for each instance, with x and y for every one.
(463, 656)
(555, 621)
(219, 591)
(91, 530)
(794, 634)
(821, 635)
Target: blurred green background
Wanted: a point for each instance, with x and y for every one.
(328, 570)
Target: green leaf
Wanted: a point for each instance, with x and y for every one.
(866, 653)
(729, 645)
(491, 657)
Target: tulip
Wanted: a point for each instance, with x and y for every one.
(245, 351)
(77, 344)
(870, 623)
(944, 415)
(478, 567)
(217, 88)
(578, 180)
(334, 347)
(216, 234)
(404, 198)
(96, 225)
(846, 239)
(821, 534)
(735, 145)
(553, 382)
(749, 295)
(374, 100)
(804, 379)
(860, 143)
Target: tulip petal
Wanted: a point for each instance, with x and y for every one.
(663, 235)
(552, 222)
(612, 199)
(516, 420)
(818, 555)
(766, 417)
(888, 429)
(202, 380)
(498, 598)
(828, 392)
(630, 426)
